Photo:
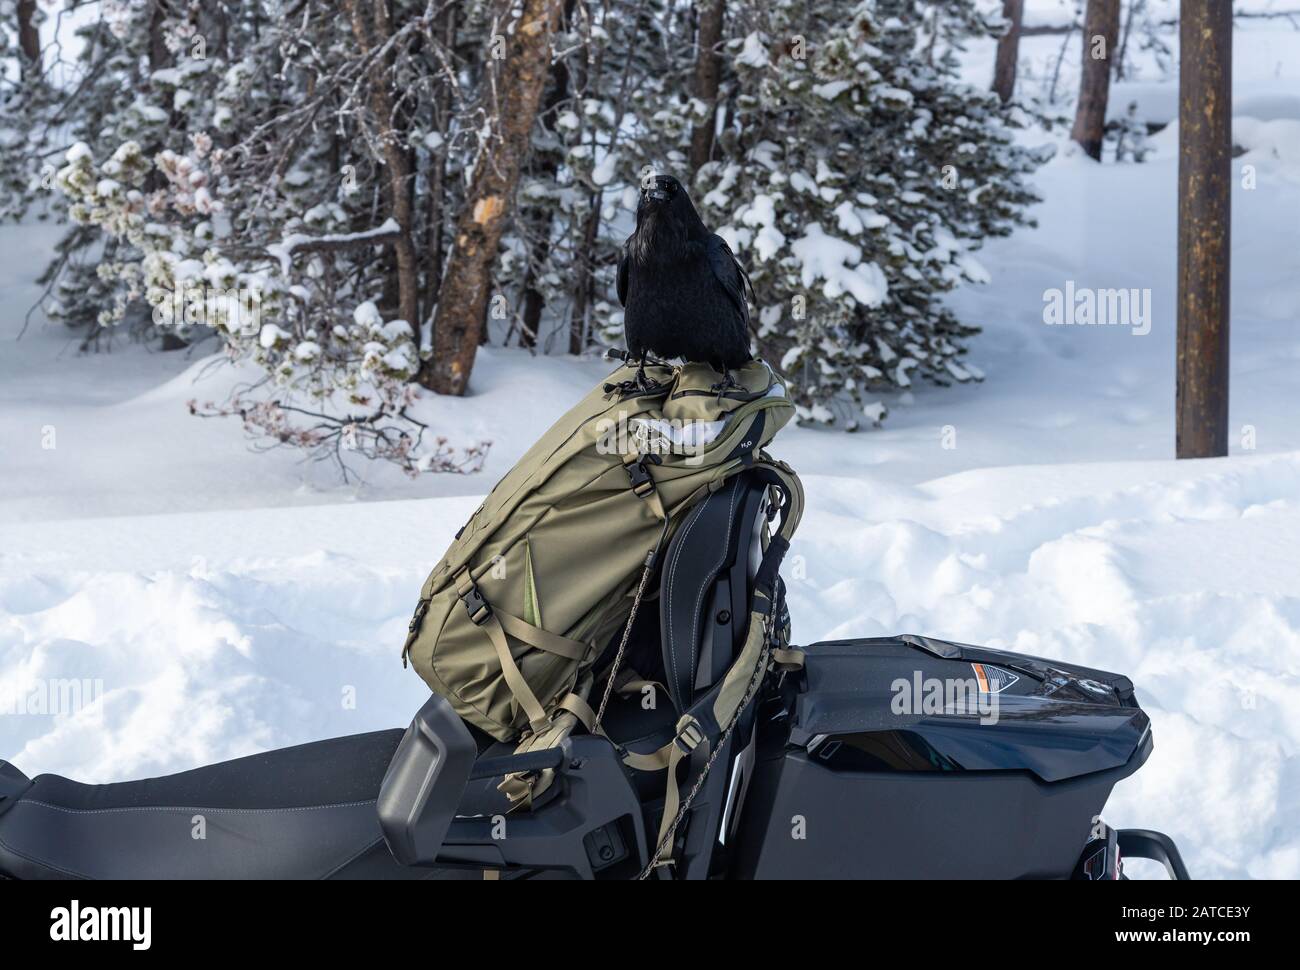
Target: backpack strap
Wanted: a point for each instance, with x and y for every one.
(628, 682)
(496, 624)
(708, 723)
(523, 788)
(541, 639)
(710, 719)
(577, 705)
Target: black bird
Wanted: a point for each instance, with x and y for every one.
(682, 289)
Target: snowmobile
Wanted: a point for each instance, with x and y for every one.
(860, 761)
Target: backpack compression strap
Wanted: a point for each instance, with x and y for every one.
(497, 624)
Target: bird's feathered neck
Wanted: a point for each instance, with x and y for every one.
(662, 231)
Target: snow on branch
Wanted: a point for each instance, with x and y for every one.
(292, 245)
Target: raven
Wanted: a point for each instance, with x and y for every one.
(682, 289)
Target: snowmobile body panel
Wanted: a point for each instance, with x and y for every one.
(1053, 719)
(858, 775)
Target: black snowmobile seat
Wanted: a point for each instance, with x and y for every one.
(306, 812)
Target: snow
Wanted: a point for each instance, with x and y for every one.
(839, 264)
(761, 212)
(149, 112)
(832, 89)
(846, 217)
(367, 314)
(228, 602)
(271, 335)
(307, 350)
(283, 250)
(753, 52)
(1278, 138)
(605, 169)
(768, 242)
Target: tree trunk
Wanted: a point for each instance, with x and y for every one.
(540, 224)
(534, 302)
(586, 282)
(29, 39)
(464, 293)
(1004, 68)
(397, 161)
(437, 176)
(160, 57)
(1204, 222)
(1123, 43)
(708, 73)
(1100, 35)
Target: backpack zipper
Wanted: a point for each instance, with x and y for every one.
(742, 395)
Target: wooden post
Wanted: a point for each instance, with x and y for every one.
(1204, 226)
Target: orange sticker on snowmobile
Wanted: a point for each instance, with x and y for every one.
(993, 680)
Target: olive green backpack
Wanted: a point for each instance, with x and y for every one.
(549, 568)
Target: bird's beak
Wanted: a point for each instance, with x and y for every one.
(658, 190)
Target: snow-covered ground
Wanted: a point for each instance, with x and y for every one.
(226, 602)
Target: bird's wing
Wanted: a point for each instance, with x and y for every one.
(622, 279)
(729, 273)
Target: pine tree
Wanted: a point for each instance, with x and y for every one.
(302, 190)
(263, 185)
(859, 176)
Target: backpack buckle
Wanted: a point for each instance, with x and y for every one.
(476, 606)
(421, 608)
(665, 869)
(643, 482)
(689, 737)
